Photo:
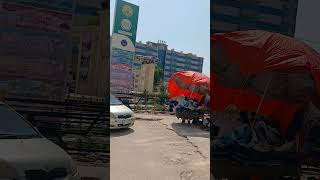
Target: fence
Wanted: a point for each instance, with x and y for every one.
(144, 102)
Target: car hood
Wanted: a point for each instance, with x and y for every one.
(120, 110)
(35, 153)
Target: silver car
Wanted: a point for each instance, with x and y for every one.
(120, 115)
(26, 154)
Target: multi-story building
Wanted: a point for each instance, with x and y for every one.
(270, 15)
(170, 61)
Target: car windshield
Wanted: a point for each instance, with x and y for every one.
(114, 100)
(13, 125)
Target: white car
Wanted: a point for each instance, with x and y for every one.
(120, 115)
(26, 154)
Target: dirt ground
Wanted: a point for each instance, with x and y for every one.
(160, 147)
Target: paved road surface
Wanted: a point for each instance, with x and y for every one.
(93, 173)
(159, 150)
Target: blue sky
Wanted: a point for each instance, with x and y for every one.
(183, 24)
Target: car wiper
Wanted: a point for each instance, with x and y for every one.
(28, 136)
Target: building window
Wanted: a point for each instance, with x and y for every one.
(180, 64)
(179, 69)
(226, 10)
(271, 4)
(140, 50)
(194, 62)
(268, 18)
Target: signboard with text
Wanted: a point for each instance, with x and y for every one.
(126, 20)
(123, 46)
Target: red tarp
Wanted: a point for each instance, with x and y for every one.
(257, 52)
(188, 78)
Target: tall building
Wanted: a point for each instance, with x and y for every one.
(270, 15)
(170, 61)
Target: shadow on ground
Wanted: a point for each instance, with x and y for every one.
(191, 130)
(120, 132)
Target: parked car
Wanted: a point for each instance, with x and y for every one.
(120, 115)
(26, 154)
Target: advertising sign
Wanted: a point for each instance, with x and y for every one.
(122, 73)
(34, 49)
(126, 20)
(123, 46)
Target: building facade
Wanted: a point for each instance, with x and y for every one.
(170, 61)
(90, 65)
(270, 15)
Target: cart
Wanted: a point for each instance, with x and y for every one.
(237, 162)
(187, 115)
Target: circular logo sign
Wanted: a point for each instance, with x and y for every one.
(126, 24)
(127, 10)
(124, 42)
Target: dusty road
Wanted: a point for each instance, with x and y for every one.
(156, 149)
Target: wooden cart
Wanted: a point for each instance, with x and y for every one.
(189, 115)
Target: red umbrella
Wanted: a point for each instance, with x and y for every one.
(264, 72)
(188, 83)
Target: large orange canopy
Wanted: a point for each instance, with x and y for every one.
(257, 54)
(188, 83)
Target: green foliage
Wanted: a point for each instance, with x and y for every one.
(158, 74)
(163, 95)
(161, 107)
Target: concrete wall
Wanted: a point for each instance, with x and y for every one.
(145, 78)
(307, 23)
(99, 69)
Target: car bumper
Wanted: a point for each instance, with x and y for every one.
(121, 123)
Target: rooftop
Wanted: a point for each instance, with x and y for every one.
(155, 45)
(147, 59)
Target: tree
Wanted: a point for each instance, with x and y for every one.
(158, 74)
(163, 95)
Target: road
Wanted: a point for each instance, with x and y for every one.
(159, 147)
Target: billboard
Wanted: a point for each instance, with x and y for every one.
(123, 46)
(126, 20)
(35, 45)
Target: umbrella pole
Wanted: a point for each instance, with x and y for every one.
(261, 101)
(192, 91)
